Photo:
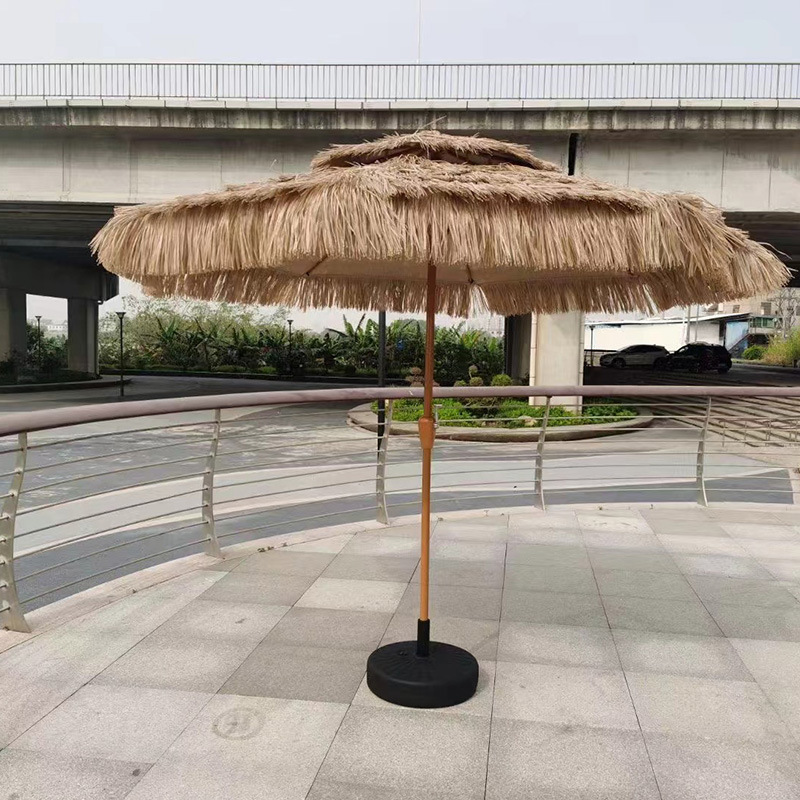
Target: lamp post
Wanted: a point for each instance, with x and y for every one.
(39, 340)
(121, 315)
(381, 375)
(289, 322)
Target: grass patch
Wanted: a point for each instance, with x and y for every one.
(509, 413)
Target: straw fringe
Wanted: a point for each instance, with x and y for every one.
(501, 220)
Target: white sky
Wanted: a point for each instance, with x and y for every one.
(358, 31)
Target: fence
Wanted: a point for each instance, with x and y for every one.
(91, 493)
(402, 82)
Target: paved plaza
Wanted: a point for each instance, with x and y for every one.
(625, 654)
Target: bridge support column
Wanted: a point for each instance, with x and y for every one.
(13, 328)
(518, 346)
(556, 353)
(82, 335)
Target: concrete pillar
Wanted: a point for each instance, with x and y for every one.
(556, 353)
(82, 335)
(13, 328)
(518, 346)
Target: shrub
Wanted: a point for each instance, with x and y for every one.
(754, 353)
(502, 380)
(784, 352)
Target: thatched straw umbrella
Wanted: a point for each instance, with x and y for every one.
(448, 224)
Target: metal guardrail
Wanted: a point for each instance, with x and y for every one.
(91, 493)
(403, 82)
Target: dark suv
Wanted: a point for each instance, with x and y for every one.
(699, 357)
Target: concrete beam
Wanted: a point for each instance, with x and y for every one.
(213, 120)
(13, 327)
(53, 279)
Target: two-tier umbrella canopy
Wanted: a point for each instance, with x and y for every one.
(449, 224)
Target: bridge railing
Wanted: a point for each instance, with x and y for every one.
(402, 82)
(92, 493)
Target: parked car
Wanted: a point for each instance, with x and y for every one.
(699, 357)
(637, 355)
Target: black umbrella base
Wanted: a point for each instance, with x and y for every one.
(446, 676)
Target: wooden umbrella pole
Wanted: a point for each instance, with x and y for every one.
(427, 436)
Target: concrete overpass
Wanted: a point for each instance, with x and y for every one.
(77, 139)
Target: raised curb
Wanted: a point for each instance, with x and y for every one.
(363, 417)
(23, 388)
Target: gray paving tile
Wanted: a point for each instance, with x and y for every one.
(480, 529)
(721, 566)
(712, 709)
(480, 704)
(563, 645)
(666, 616)
(468, 551)
(248, 748)
(786, 702)
(45, 776)
(328, 627)
(402, 753)
(248, 587)
(571, 537)
(323, 674)
(757, 516)
(285, 562)
(676, 654)
(742, 592)
(530, 760)
(352, 595)
(636, 583)
(533, 578)
(685, 512)
(782, 569)
(478, 636)
(521, 520)
(623, 540)
(772, 664)
(556, 555)
(702, 545)
(325, 544)
(696, 769)
(24, 703)
(754, 530)
(451, 572)
(454, 601)
(613, 522)
(697, 526)
(778, 550)
(225, 565)
(185, 663)
(563, 695)
(751, 622)
(371, 568)
(220, 621)
(554, 608)
(110, 722)
(381, 544)
(632, 560)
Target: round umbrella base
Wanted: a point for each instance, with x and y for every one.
(447, 676)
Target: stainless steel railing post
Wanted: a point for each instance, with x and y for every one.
(11, 615)
(702, 496)
(380, 475)
(539, 483)
(211, 545)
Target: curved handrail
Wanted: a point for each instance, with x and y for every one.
(80, 415)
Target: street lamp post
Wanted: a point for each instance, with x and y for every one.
(121, 315)
(289, 322)
(39, 341)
